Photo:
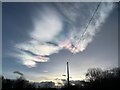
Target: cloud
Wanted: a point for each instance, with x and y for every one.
(46, 26)
(31, 53)
(45, 71)
(78, 39)
(18, 72)
(61, 28)
(95, 25)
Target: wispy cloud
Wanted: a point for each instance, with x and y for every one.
(45, 71)
(46, 27)
(31, 52)
(61, 28)
(77, 40)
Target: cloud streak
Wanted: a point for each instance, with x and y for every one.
(77, 39)
(46, 26)
(61, 27)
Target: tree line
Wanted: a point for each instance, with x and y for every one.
(96, 79)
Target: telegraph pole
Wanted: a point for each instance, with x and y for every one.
(68, 75)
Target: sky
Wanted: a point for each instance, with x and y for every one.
(39, 38)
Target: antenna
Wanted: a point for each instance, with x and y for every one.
(68, 75)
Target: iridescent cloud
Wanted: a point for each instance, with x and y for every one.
(61, 28)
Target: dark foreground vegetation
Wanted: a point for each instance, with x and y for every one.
(96, 79)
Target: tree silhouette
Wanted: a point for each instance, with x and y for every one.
(94, 73)
(97, 79)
